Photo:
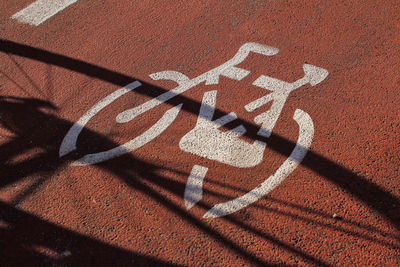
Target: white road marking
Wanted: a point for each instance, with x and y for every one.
(41, 10)
(306, 134)
(194, 186)
(208, 141)
(280, 92)
(150, 134)
(69, 142)
(227, 69)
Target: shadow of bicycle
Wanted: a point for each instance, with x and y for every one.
(23, 117)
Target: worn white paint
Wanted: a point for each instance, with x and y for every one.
(69, 142)
(207, 140)
(153, 132)
(280, 92)
(41, 10)
(228, 69)
(194, 186)
(306, 133)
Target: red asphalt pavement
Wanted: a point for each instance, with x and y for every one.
(339, 207)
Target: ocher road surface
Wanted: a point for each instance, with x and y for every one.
(273, 137)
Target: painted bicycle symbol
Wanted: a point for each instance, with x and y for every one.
(205, 139)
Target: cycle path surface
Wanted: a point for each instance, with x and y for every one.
(246, 133)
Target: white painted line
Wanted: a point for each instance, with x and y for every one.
(208, 141)
(153, 132)
(227, 69)
(280, 92)
(69, 142)
(194, 186)
(41, 10)
(306, 134)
